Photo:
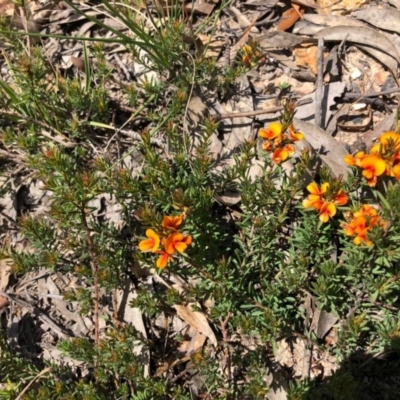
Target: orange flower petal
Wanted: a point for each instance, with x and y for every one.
(374, 164)
(289, 149)
(327, 211)
(293, 135)
(171, 222)
(146, 245)
(162, 261)
(152, 243)
(314, 189)
(350, 160)
(396, 171)
(341, 198)
(391, 136)
(273, 130)
(280, 155)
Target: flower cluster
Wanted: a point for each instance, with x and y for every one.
(169, 238)
(279, 142)
(324, 200)
(251, 55)
(364, 220)
(382, 158)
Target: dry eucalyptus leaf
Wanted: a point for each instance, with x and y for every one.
(197, 320)
(288, 19)
(328, 149)
(332, 20)
(196, 341)
(278, 39)
(382, 18)
(365, 37)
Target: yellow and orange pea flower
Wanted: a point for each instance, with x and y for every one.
(293, 135)
(325, 207)
(282, 154)
(358, 227)
(383, 158)
(274, 130)
(373, 166)
(172, 240)
(177, 242)
(363, 220)
(172, 223)
(278, 142)
(152, 243)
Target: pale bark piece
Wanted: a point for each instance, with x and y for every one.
(198, 109)
(382, 18)
(328, 149)
(323, 322)
(241, 128)
(5, 269)
(307, 111)
(134, 317)
(365, 37)
(197, 320)
(339, 7)
(394, 3)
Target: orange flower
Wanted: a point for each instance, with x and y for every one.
(356, 160)
(396, 171)
(364, 220)
(172, 223)
(340, 198)
(390, 138)
(273, 131)
(293, 135)
(177, 242)
(366, 210)
(162, 261)
(314, 189)
(282, 154)
(328, 210)
(150, 244)
(373, 167)
(313, 200)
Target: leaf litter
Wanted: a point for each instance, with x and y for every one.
(362, 50)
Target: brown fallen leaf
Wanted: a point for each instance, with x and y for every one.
(288, 19)
(306, 56)
(339, 7)
(197, 320)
